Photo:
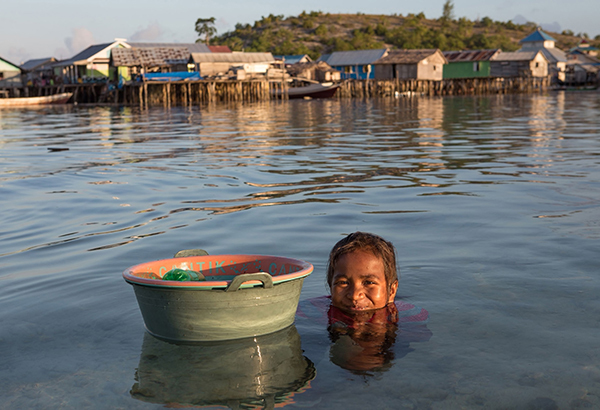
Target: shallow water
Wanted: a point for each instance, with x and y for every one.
(492, 202)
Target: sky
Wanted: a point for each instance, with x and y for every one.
(31, 29)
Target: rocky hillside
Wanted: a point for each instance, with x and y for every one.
(317, 33)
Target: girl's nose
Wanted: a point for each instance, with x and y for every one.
(357, 293)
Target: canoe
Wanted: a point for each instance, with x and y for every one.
(317, 90)
(46, 99)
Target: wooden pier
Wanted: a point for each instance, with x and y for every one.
(463, 86)
(199, 92)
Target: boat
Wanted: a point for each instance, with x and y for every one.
(316, 90)
(61, 98)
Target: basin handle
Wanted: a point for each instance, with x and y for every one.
(264, 277)
(190, 252)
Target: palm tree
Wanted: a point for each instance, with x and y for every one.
(206, 28)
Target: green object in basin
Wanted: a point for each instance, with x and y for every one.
(182, 275)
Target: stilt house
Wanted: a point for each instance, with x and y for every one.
(411, 65)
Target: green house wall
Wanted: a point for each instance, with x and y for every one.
(6, 67)
(466, 69)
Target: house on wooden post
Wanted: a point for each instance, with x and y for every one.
(583, 69)
(584, 47)
(177, 65)
(411, 65)
(519, 64)
(557, 59)
(38, 71)
(236, 64)
(133, 62)
(314, 71)
(357, 65)
(289, 60)
(468, 63)
(90, 65)
(10, 79)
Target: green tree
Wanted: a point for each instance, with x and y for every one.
(448, 12)
(206, 28)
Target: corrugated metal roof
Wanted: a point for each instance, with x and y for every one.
(219, 49)
(352, 58)
(470, 55)
(515, 56)
(84, 55)
(406, 56)
(235, 57)
(149, 56)
(537, 35)
(554, 55)
(37, 63)
(192, 47)
(294, 59)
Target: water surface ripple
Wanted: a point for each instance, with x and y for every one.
(492, 202)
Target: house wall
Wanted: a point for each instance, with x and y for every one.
(10, 76)
(431, 68)
(395, 71)
(537, 67)
(466, 69)
(97, 70)
(508, 68)
(360, 72)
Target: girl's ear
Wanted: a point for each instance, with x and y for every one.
(392, 291)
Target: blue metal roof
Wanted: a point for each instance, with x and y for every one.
(352, 58)
(537, 35)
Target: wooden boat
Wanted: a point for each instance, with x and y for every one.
(316, 90)
(46, 99)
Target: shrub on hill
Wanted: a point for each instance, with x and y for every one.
(316, 33)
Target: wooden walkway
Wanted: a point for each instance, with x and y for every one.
(193, 93)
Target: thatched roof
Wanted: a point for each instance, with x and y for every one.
(149, 56)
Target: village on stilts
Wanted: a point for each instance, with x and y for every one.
(177, 74)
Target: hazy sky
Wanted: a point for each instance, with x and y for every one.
(61, 28)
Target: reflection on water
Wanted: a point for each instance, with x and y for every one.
(261, 372)
(493, 204)
(365, 343)
(370, 341)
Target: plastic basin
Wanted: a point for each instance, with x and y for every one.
(243, 296)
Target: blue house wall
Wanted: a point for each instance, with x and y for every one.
(361, 72)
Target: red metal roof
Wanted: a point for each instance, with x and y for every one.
(219, 49)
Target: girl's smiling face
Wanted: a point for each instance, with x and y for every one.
(359, 283)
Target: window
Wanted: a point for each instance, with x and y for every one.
(476, 66)
(348, 69)
(366, 68)
(537, 64)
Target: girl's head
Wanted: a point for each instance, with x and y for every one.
(361, 272)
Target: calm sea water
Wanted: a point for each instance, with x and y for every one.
(492, 202)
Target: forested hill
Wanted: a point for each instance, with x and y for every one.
(317, 33)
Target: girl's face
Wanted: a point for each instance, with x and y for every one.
(359, 283)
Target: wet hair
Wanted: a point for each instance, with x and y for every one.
(365, 242)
